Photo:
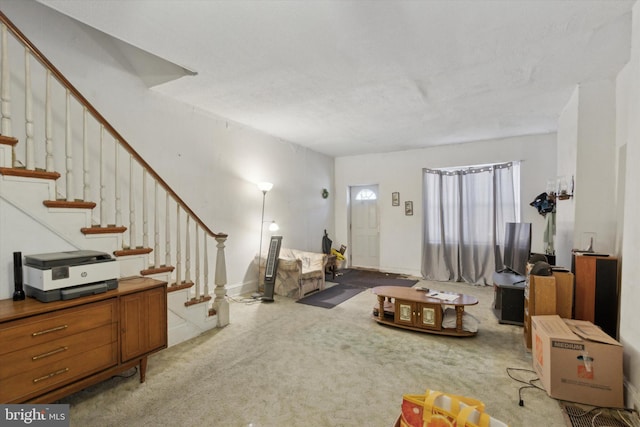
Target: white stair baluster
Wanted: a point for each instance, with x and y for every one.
(187, 253)
(167, 232)
(145, 212)
(86, 180)
(197, 272)
(103, 185)
(206, 266)
(132, 205)
(5, 82)
(48, 126)
(116, 167)
(178, 248)
(156, 227)
(28, 114)
(69, 149)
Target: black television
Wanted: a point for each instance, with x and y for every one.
(517, 246)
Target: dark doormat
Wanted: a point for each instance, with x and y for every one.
(370, 278)
(330, 297)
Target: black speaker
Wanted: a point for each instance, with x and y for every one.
(18, 293)
(512, 309)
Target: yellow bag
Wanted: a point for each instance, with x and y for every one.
(471, 417)
(437, 409)
(434, 409)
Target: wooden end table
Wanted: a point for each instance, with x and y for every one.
(414, 309)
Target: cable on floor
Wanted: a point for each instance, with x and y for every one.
(528, 384)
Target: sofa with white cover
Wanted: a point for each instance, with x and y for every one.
(299, 272)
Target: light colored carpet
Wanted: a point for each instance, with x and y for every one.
(288, 364)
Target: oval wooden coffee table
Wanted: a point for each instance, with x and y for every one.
(420, 310)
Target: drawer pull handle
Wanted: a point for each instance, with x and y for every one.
(57, 328)
(52, 374)
(51, 353)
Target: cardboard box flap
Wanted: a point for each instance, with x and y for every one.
(588, 331)
(554, 327)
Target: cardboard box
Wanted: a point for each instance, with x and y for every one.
(564, 294)
(576, 361)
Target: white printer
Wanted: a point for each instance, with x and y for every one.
(65, 275)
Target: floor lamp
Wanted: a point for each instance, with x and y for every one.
(264, 187)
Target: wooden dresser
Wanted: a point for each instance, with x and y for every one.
(50, 350)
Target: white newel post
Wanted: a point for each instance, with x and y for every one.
(220, 304)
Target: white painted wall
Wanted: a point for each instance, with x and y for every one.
(629, 134)
(595, 193)
(566, 161)
(587, 150)
(400, 235)
(211, 164)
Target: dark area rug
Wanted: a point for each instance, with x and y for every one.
(370, 279)
(330, 297)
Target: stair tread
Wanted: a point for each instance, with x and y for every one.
(23, 172)
(75, 204)
(103, 230)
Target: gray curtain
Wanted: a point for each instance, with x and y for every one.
(465, 212)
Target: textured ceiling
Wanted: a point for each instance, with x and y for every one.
(354, 77)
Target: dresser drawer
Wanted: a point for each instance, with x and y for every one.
(49, 376)
(45, 354)
(49, 327)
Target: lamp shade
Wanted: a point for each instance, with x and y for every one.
(273, 226)
(265, 186)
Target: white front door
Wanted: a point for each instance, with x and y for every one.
(364, 227)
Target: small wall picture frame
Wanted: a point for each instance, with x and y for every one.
(408, 208)
(395, 198)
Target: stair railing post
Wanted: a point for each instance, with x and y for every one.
(220, 304)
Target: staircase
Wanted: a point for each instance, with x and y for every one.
(68, 177)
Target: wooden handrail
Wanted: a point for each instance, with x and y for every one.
(62, 79)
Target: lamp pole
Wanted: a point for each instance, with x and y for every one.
(264, 195)
(264, 187)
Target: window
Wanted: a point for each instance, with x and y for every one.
(366, 194)
(464, 215)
